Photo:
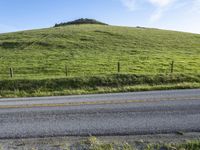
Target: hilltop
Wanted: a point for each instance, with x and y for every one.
(80, 21)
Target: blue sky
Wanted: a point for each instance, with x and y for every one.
(182, 15)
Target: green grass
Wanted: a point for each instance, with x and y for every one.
(93, 143)
(95, 50)
(96, 84)
(192, 145)
(91, 54)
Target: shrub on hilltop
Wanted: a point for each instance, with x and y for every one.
(80, 21)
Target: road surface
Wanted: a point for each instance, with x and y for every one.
(105, 114)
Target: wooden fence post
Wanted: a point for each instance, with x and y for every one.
(172, 67)
(118, 67)
(11, 72)
(66, 70)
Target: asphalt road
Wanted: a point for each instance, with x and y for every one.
(105, 114)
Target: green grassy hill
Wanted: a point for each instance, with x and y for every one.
(93, 50)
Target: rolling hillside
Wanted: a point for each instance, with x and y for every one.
(88, 55)
(95, 50)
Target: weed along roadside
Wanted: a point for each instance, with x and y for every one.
(101, 143)
(96, 84)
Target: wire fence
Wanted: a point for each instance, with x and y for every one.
(68, 70)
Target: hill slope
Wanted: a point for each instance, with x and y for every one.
(89, 54)
(95, 50)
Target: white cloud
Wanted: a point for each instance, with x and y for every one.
(196, 6)
(162, 6)
(187, 13)
(161, 3)
(130, 4)
(156, 15)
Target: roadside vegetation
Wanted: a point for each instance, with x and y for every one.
(91, 58)
(93, 143)
(96, 84)
(192, 145)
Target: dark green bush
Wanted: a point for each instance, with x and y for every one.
(80, 21)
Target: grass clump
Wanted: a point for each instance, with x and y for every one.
(92, 143)
(192, 145)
